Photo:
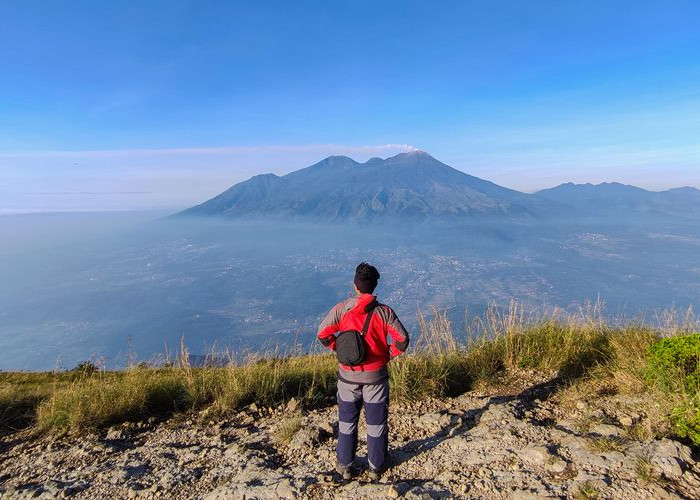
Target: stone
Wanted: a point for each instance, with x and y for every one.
(525, 495)
(326, 427)
(536, 455)
(556, 465)
(427, 491)
(625, 420)
(606, 430)
(434, 422)
(115, 434)
(53, 488)
(484, 459)
(669, 457)
(285, 489)
(133, 469)
(307, 437)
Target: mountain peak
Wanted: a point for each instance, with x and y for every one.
(414, 153)
(411, 185)
(336, 160)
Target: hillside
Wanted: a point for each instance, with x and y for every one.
(562, 408)
(408, 186)
(612, 198)
(509, 440)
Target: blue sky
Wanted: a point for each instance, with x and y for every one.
(161, 104)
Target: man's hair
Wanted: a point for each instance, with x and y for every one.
(366, 277)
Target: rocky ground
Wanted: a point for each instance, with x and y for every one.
(509, 442)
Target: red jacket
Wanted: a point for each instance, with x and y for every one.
(351, 315)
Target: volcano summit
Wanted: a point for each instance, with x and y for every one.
(410, 185)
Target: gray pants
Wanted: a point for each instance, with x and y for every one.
(375, 398)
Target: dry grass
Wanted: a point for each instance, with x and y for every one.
(288, 428)
(21, 394)
(138, 393)
(594, 357)
(606, 444)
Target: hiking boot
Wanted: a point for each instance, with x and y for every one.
(345, 471)
(376, 474)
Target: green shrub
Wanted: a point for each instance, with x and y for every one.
(675, 361)
(86, 368)
(685, 419)
(673, 364)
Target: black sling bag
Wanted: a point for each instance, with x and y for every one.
(350, 344)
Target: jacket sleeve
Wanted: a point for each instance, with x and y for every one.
(398, 334)
(329, 326)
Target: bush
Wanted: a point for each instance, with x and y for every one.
(673, 364)
(675, 361)
(86, 368)
(685, 420)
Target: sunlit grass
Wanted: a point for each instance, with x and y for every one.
(589, 355)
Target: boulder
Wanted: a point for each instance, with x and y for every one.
(669, 457)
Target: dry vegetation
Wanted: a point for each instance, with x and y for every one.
(591, 357)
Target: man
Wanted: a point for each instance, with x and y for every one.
(367, 382)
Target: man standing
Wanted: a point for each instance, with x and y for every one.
(368, 381)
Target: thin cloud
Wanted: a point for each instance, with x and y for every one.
(95, 193)
(221, 150)
(153, 178)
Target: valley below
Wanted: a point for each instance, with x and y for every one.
(247, 287)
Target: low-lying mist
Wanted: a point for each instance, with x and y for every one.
(123, 287)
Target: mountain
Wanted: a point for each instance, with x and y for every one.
(622, 199)
(410, 185)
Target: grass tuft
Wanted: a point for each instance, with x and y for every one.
(606, 444)
(587, 491)
(288, 428)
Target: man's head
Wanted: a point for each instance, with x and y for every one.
(366, 278)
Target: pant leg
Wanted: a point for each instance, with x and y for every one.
(349, 405)
(376, 401)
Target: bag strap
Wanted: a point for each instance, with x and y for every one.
(366, 325)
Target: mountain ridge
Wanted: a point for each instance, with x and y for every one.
(615, 197)
(410, 185)
(416, 186)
